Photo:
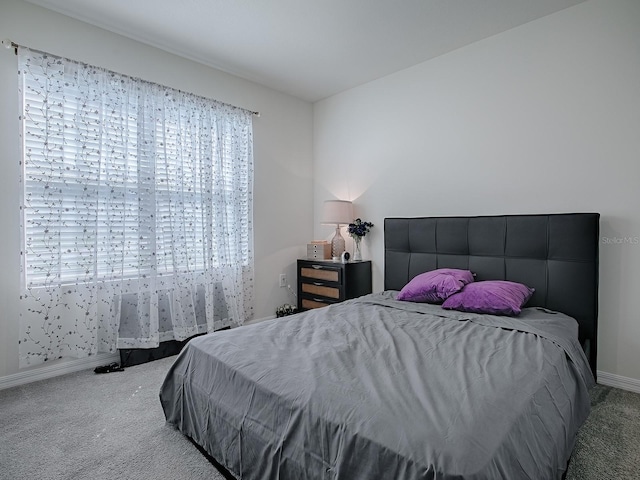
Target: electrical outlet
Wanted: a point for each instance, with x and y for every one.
(283, 280)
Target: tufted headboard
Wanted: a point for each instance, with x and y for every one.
(557, 254)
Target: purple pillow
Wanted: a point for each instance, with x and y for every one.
(495, 297)
(435, 286)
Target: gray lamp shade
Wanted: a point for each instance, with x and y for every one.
(339, 212)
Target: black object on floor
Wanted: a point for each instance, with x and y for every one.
(112, 367)
(136, 356)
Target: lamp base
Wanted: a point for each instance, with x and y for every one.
(337, 244)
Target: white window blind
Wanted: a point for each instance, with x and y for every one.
(111, 161)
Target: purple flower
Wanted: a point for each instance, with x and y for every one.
(359, 228)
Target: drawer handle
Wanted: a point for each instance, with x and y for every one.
(320, 300)
(317, 267)
(318, 284)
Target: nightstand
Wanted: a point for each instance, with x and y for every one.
(324, 282)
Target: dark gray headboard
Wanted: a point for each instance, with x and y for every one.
(556, 254)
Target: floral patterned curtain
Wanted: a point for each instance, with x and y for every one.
(136, 211)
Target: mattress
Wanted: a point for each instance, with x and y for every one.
(378, 388)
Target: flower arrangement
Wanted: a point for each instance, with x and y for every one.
(359, 229)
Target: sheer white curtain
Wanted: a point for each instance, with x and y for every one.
(136, 211)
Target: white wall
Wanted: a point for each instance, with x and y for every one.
(282, 149)
(541, 118)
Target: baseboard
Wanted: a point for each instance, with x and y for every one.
(57, 369)
(618, 381)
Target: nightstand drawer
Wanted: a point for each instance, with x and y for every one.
(308, 304)
(318, 272)
(319, 289)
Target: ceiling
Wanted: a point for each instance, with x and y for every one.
(308, 49)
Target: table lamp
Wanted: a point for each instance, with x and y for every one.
(338, 212)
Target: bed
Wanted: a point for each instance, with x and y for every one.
(378, 388)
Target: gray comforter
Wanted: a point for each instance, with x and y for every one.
(374, 388)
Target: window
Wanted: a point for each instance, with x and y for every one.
(136, 211)
(118, 172)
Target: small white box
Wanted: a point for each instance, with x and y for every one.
(319, 250)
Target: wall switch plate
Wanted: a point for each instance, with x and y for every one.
(282, 280)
